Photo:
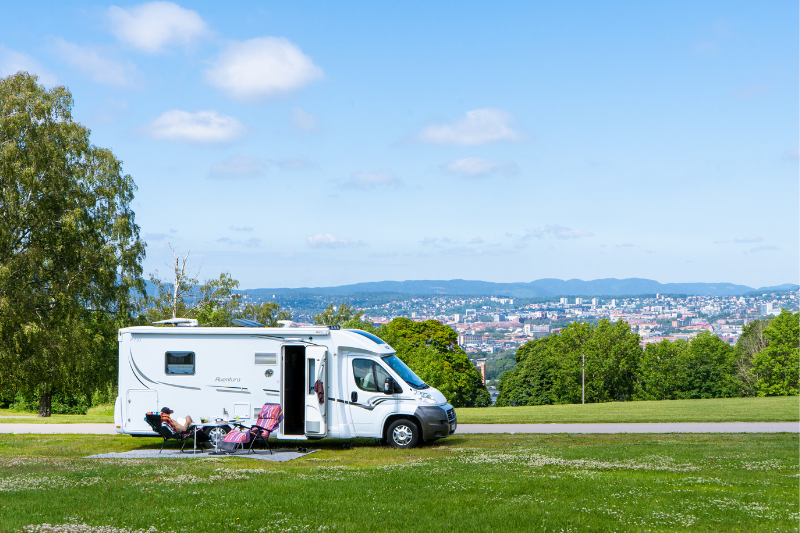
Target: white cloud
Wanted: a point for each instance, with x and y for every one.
(303, 120)
(372, 180)
(475, 167)
(261, 68)
(201, 127)
(240, 228)
(472, 252)
(429, 240)
(794, 153)
(476, 240)
(94, 63)
(153, 26)
(12, 62)
(557, 232)
(293, 163)
(744, 240)
(252, 242)
(237, 166)
(478, 126)
(749, 239)
(767, 248)
(326, 240)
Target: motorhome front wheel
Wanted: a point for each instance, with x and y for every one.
(403, 434)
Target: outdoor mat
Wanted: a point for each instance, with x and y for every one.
(278, 456)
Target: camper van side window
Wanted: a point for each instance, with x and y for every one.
(179, 363)
(362, 372)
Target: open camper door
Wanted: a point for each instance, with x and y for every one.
(316, 388)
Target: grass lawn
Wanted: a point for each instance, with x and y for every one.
(774, 409)
(96, 415)
(734, 482)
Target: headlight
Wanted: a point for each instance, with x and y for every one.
(424, 397)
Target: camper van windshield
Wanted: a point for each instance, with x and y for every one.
(404, 372)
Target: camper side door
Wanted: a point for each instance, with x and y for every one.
(316, 380)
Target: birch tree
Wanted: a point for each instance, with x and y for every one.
(70, 253)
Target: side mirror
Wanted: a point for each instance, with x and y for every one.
(390, 386)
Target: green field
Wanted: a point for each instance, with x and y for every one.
(744, 483)
(774, 409)
(96, 415)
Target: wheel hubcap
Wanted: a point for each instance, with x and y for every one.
(402, 435)
(216, 435)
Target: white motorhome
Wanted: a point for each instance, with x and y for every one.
(229, 372)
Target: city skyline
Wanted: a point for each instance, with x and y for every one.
(314, 145)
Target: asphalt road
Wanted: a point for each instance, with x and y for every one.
(677, 427)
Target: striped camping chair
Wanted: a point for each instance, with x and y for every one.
(268, 421)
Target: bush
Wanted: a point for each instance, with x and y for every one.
(60, 405)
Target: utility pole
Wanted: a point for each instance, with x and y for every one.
(583, 379)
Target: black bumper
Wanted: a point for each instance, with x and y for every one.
(435, 422)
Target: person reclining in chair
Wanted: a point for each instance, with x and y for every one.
(172, 424)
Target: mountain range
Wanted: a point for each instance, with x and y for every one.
(540, 288)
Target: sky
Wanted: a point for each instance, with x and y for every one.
(303, 144)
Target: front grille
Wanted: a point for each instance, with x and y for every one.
(451, 415)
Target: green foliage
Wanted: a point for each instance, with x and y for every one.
(267, 313)
(706, 369)
(658, 370)
(703, 368)
(549, 370)
(751, 342)
(333, 316)
(60, 405)
(431, 350)
(497, 364)
(212, 304)
(777, 364)
(70, 253)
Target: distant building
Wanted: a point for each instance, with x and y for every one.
(578, 301)
(471, 313)
(482, 370)
(595, 301)
(456, 318)
(563, 301)
(530, 329)
(465, 339)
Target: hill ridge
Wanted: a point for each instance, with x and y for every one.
(545, 287)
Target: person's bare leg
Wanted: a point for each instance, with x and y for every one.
(181, 427)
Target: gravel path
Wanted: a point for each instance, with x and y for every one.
(676, 427)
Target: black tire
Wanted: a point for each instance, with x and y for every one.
(402, 434)
(217, 433)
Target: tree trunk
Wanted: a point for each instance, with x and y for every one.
(44, 404)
